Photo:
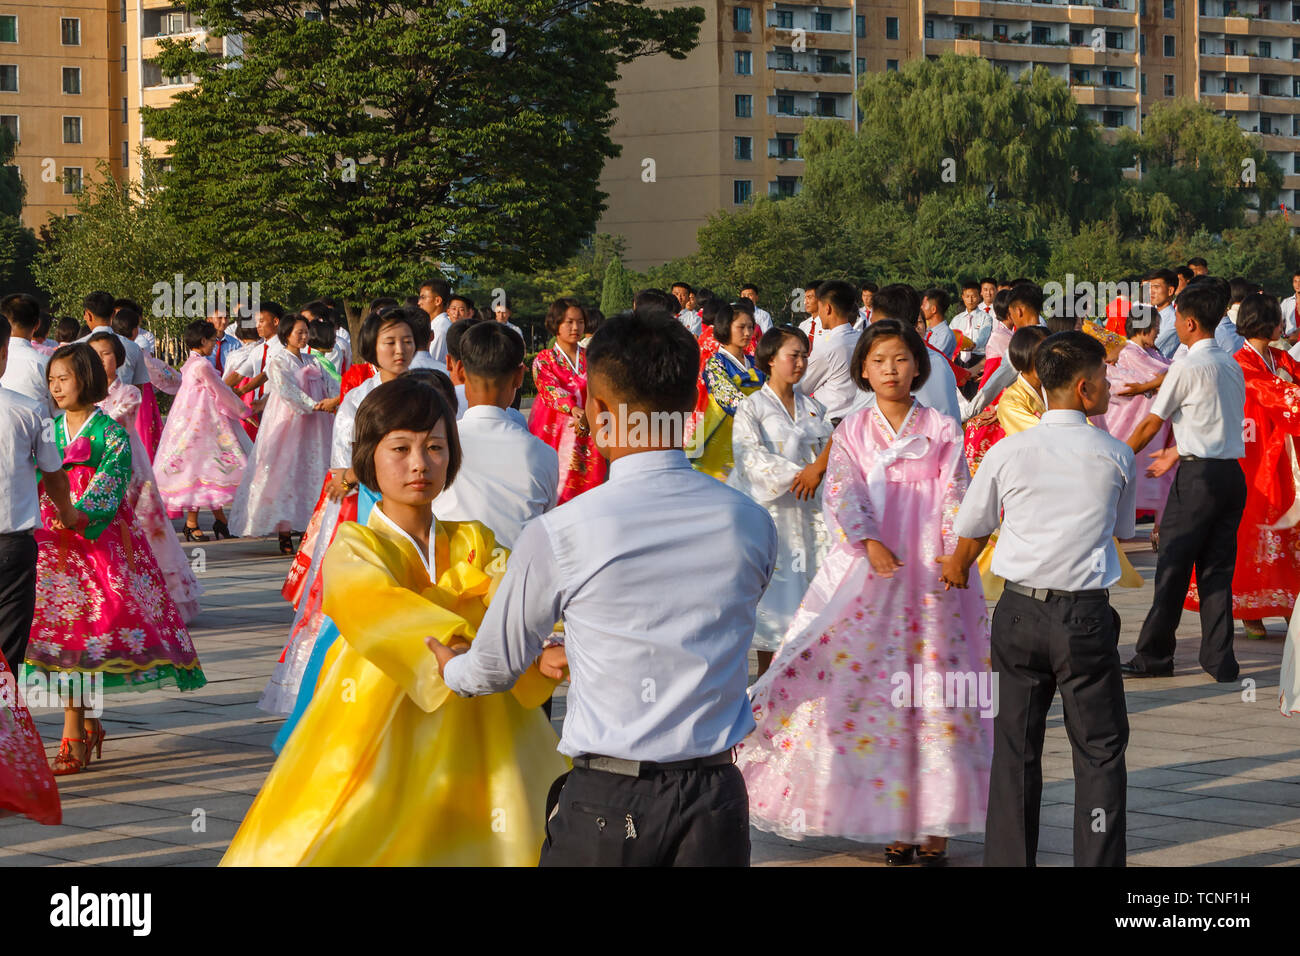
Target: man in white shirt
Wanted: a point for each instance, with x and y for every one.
(973, 323)
(25, 373)
(97, 312)
(227, 345)
(502, 314)
(687, 315)
(867, 291)
(1203, 397)
(934, 310)
(250, 362)
(27, 454)
(1160, 291)
(507, 475)
(762, 318)
(828, 377)
(657, 694)
(1061, 491)
(812, 326)
(1289, 329)
(988, 289)
(434, 296)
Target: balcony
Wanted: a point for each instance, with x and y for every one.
(1090, 94)
(1084, 14)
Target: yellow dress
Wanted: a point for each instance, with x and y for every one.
(1021, 407)
(388, 767)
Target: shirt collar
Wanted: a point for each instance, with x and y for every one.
(489, 413)
(1063, 416)
(644, 462)
(1203, 344)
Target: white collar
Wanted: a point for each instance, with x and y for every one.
(426, 560)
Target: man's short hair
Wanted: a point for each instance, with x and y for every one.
(869, 286)
(1064, 357)
(1028, 294)
(440, 287)
(897, 301)
(22, 311)
(1197, 262)
(840, 295)
(970, 284)
(456, 335)
(491, 351)
(749, 287)
(1168, 276)
(649, 360)
(1185, 273)
(939, 297)
(126, 321)
(99, 304)
(1206, 300)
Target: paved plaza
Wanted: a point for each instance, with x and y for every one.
(1214, 780)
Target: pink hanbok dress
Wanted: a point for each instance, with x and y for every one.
(203, 450)
(1134, 366)
(292, 453)
(142, 494)
(850, 739)
(562, 388)
(148, 419)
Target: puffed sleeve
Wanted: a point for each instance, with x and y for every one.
(279, 376)
(955, 479)
(103, 495)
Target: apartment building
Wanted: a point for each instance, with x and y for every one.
(73, 76)
(712, 131)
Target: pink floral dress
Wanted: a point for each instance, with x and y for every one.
(562, 388)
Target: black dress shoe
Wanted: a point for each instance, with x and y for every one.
(1134, 669)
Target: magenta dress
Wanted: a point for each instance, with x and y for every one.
(102, 605)
(1134, 366)
(849, 743)
(561, 388)
(122, 403)
(203, 450)
(148, 420)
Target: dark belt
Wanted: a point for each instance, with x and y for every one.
(640, 768)
(18, 534)
(1044, 594)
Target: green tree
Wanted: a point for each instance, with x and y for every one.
(382, 141)
(616, 293)
(17, 242)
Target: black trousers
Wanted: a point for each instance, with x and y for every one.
(1198, 530)
(669, 818)
(1038, 646)
(17, 596)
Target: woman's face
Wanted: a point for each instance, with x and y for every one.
(298, 336)
(742, 330)
(790, 361)
(890, 367)
(395, 347)
(63, 385)
(411, 467)
(571, 327)
(106, 358)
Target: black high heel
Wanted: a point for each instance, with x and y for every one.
(932, 857)
(900, 855)
(194, 534)
(221, 530)
(286, 543)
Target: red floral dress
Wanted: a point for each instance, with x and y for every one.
(562, 388)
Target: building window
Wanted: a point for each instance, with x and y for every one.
(126, 153)
(891, 28)
(784, 186)
(1265, 11)
(862, 65)
(1042, 35)
(71, 180)
(1111, 78)
(891, 66)
(744, 148)
(72, 129)
(785, 147)
(744, 105)
(8, 78)
(741, 19)
(123, 57)
(1169, 9)
(72, 80)
(9, 29)
(70, 29)
(124, 11)
(741, 190)
(1144, 84)
(929, 29)
(124, 109)
(1142, 44)
(1169, 44)
(744, 63)
(826, 106)
(1169, 84)
(1112, 118)
(784, 104)
(784, 60)
(1295, 49)
(1000, 32)
(862, 25)
(1114, 40)
(9, 121)
(785, 19)
(822, 22)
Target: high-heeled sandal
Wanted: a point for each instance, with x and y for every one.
(900, 854)
(95, 742)
(221, 530)
(932, 857)
(286, 543)
(66, 762)
(1255, 630)
(194, 534)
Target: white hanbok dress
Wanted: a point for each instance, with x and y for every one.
(292, 452)
(770, 448)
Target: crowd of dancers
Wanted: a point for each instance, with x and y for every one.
(856, 490)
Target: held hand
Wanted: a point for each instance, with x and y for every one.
(952, 573)
(554, 663)
(1130, 389)
(806, 483)
(1162, 462)
(335, 490)
(444, 652)
(883, 561)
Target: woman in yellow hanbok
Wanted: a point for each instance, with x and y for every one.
(1020, 407)
(388, 767)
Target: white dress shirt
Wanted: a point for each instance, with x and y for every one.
(147, 341)
(658, 667)
(26, 373)
(438, 340)
(25, 446)
(133, 370)
(941, 337)
(250, 361)
(691, 319)
(976, 325)
(812, 327)
(1203, 397)
(1167, 335)
(763, 319)
(426, 360)
(828, 377)
(1288, 315)
(462, 403)
(1065, 490)
(227, 345)
(507, 474)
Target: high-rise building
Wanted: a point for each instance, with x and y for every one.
(709, 132)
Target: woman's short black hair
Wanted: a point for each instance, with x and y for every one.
(1259, 316)
(723, 318)
(198, 332)
(1063, 357)
(125, 321)
(376, 322)
(1024, 343)
(287, 323)
(440, 382)
(119, 350)
(68, 329)
(890, 329)
(771, 343)
(404, 404)
(649, 359)
(320, 334)
(87, 369)
(1141, 318)
(555, 314)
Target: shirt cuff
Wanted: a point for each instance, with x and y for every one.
(452, 676)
